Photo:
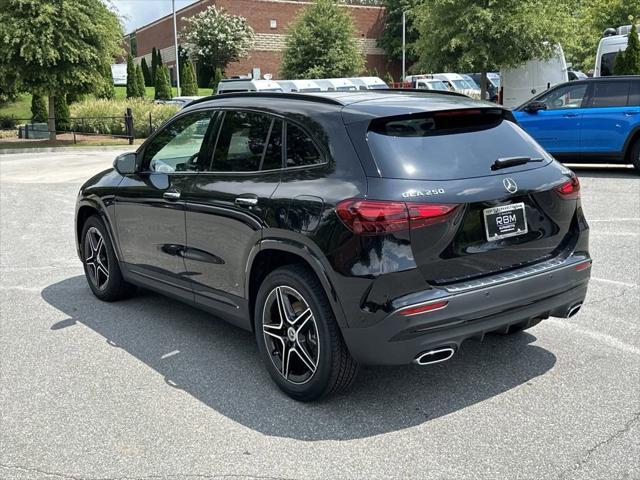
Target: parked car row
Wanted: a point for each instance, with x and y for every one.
(233, 85)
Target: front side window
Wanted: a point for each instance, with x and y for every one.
(177, 147)
(609, 94)
(301, 151)
(569, 96)
(245, 145)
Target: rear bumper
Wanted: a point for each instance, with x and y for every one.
(472, 310)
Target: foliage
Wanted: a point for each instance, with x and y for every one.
(587, 24)
(132, 86)
(215, 38)
(104, 88)
(8, 122)
(38, 109)
(321, 44)
(140, 87)
(188, 85)
(163, 85)
(391, 40)
(146, 73)
(388, 79)
(52, 47)
(158, 58)
(154, 65)
(96, 115)
(628, 61)
(217, 77)
(468, 36)
(62, 112)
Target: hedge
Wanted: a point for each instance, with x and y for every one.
(93, 108)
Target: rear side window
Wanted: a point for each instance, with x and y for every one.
(609, 94)
(301, 151)
(243, 143)
(448, 145)
(606, 64)
(634, 94)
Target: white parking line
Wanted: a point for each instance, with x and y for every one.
(631, 219)
(615, 282)
(616, 234)
(599, 336)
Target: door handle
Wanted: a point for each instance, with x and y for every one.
(171, 195)
(631, 113)
(253, 200)
(570, 115)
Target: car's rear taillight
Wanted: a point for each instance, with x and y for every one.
(373, 217)
(570, 190)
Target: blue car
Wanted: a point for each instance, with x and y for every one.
(590, 120)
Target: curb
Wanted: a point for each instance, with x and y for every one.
(103, 148)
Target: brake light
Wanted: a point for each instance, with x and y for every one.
(570, 190)
(583, 266)
(374, 217)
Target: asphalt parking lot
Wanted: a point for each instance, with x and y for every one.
(150, 388)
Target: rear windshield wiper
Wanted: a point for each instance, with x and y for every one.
(512, 161)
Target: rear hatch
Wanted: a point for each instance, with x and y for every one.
(501, 202)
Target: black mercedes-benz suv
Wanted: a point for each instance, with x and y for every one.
(342, 228)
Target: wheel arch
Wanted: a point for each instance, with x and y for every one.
(272, 254)
(86, 208)
(632, 138)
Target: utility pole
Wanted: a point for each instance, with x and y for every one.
(175, 41)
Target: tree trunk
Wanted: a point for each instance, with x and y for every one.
(483, 85)
(52, 118)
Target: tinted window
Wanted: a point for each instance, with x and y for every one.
(443, 146)
(241, 142)
(606, 64)
(273, 152)
(610, 94)
(177, 146)
(634, 94)
(569, 96)
(301, 150)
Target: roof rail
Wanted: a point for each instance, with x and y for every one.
(292, 96)
(422, 90)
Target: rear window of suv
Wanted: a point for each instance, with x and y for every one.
(448, 145)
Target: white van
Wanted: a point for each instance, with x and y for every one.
(458, 84)
(299, 85)
(533, 77)
(611, 43)
(335, 84)
(231, 85)
(426, 82)
(368, 83)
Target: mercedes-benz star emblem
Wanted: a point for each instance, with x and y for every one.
(510, 184)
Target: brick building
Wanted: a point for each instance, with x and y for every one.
(269, 19)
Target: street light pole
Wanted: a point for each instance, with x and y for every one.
(404, 44)
(175, 41)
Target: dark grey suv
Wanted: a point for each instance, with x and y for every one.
(342, 229)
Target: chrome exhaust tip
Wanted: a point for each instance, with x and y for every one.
(573, 310)
(434, 356)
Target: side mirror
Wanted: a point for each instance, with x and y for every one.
(534, 107)
(125, 163)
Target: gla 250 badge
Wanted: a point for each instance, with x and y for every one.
(422, 193)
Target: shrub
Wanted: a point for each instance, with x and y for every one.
(116, 108)
(132, 86)
(8, 122)
(163, 86)
(188, 84)
(146, 73)
(38, 109)
(62, 112)
(140, 87)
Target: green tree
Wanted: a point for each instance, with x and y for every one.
(52, 47)
(632, 54)
(62, 112)
(215, 38)
(471, 36)
(322, 44)
(146, 73)
(132, 86)
(38, 109)
(391, 40)
(104, 87)
(388, 79)
(188, 83)
(140, 90)
(215, 80)
(163, 85)
(154, 65)
(159, 58)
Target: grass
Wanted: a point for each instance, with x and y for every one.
(22, 107)
(114, 142)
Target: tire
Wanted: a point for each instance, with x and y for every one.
(519, 327)
(308, 336)
(101, 266)
(635, 155)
